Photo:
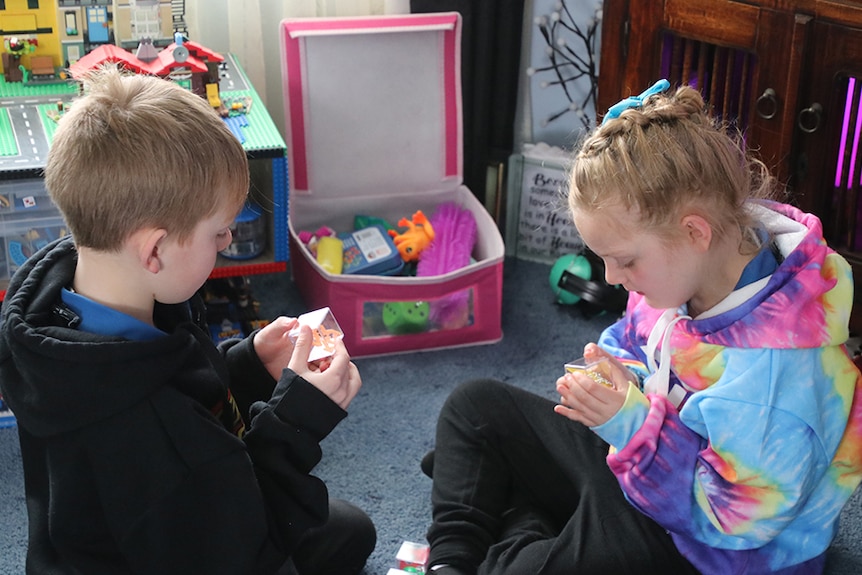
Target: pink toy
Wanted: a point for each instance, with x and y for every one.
(323, 231)
(455, 236)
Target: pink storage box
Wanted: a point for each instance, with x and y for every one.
(373, 113)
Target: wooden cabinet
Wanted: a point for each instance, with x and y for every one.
(788, 73)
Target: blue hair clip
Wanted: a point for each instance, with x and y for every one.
(635, 101)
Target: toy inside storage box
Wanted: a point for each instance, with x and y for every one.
(28, 222)
(373, 114)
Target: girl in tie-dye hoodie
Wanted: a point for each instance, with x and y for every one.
(735, 416)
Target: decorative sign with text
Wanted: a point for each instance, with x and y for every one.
(538, 225)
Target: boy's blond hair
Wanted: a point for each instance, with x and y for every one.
(139, 151)
(667, 157)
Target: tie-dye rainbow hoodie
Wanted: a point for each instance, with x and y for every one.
(750, 474)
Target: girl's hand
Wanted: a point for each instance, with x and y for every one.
(272, 345)
(339, 379)
(619, 373)
(588, 401)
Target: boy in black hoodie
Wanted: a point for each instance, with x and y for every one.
(146, 449)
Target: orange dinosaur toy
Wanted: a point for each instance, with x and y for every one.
(417, 237)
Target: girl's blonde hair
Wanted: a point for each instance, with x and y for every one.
(138, 151)
(665, 158)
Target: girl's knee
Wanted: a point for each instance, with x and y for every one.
(473, 392)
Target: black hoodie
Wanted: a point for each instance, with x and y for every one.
(126, 467)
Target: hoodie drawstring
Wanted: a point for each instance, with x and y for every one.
(659, 380)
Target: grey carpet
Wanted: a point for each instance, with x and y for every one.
(372, 458)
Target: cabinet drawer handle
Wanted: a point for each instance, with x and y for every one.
(809, 118)
(767, 104)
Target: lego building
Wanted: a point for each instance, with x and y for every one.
(66, 30)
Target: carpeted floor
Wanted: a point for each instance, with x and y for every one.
(372, 458)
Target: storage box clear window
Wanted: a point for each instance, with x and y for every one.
(447, 312)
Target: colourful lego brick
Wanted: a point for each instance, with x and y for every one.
(280, 207)
(21, 90)
(49, 114)
(260, 131)
(8, 146)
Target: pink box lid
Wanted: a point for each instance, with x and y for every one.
(373, 104)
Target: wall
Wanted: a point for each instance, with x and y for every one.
(249, 30)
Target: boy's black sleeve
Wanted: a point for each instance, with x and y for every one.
(285, 422)
(283, 441)
(249, 379)
(192, 498)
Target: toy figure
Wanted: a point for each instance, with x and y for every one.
(419, 234)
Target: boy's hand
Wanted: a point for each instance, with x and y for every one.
(339, 380)
(272, 345)
(588, 401)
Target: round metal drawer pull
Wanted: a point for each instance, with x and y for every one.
(767, 104)
(809, 118)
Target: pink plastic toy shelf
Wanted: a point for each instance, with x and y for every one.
(373, 113)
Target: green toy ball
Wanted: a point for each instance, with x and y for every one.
(575, 264)
(403, 317)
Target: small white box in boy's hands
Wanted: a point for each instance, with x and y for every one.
(324, 329)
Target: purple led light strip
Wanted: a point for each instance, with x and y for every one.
(850, 86)
(848, 105)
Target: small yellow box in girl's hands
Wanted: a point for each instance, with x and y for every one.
(598, 370)
(324, 329)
